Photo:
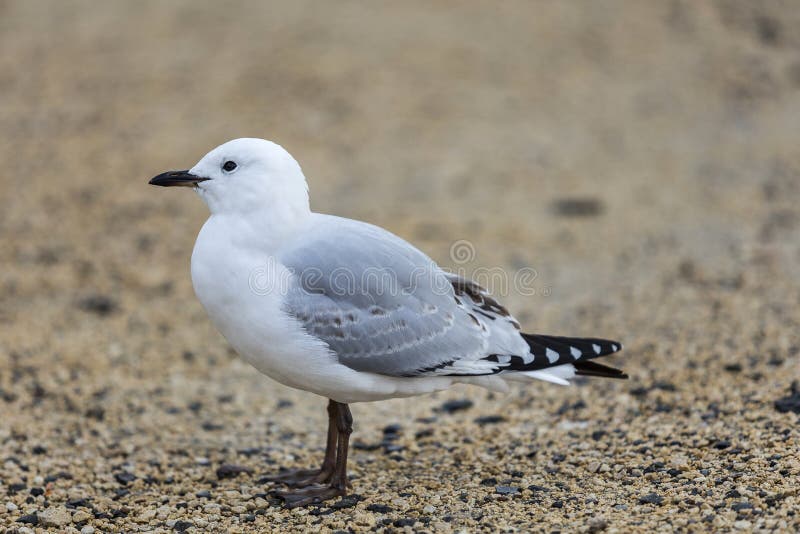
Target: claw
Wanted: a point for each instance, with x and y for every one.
(308, 495)
(299, 478)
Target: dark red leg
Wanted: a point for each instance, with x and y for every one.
(307, 477)
(337, 480)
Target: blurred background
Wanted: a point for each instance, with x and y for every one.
(642, 157)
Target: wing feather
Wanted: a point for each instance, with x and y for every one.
(381, 305)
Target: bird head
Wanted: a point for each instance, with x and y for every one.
(243, 176)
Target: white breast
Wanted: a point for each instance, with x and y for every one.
(240, 290)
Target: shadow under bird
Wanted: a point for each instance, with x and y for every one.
(345, 309)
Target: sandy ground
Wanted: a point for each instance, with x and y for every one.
(642, 157)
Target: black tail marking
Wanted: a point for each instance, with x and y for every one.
(550, 351)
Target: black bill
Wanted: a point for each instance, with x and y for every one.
(176, 178)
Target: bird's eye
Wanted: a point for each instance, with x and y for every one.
(229, 166)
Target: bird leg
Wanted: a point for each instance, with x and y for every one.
(335, 484)
(307, 477)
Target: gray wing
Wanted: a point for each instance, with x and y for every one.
(380, 304)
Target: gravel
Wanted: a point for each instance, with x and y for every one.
(648, 177)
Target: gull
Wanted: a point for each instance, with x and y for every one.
(345, 309)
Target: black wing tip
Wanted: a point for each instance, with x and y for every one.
(590, 368)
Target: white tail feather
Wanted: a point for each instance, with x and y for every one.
(559, 374)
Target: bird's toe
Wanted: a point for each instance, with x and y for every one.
(308, 495)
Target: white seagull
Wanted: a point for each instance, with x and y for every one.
(345, 309)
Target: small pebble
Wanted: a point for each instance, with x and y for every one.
(506, 490)
(231, 471)
(651, 498)
(55, 516)
(124, 477)
(81, 516)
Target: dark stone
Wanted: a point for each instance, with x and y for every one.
(655, 467)
(96, 412)
(490, 481)
(453, 406)
(424, 433)
(739, 506)
(557, 504)
(98, 304)
(60, 475)
(124, 477)
(405, 522)
(392, 430)
(30, 519)
(733, 368)
(665, 386)
(768, 29)
(182, 526)
(208, 426)
(490, 419)
(651, 498)
(38, 449)
(283, 403)
(379, 508)
(566, 407)
(37, 491)
(231, 471)
(578, 207)
(790, 403)
(663, 408)
(597, 435)
(348, 501)
(722, 444)
(361, 446)
(78, 503)
(775, 361)
(203, 494)
(14, 488)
